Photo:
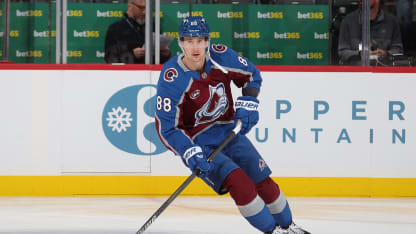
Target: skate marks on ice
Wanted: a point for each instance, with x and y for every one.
(115, 215)
(198, 215)
(101, 232)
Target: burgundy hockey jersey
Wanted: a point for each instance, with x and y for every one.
(197, 108)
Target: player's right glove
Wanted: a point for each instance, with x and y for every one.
(194, 158)
(246, 111)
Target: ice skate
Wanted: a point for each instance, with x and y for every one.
(278, 230)
(295, 229)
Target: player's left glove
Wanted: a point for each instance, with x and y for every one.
(246, 110)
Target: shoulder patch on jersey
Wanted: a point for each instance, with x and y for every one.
(219, 48)
(170, 74)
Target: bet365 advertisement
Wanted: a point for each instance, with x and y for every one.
(266, 34)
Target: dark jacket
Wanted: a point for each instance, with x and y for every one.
(121, 38)
(384, 34)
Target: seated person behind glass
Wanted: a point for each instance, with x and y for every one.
(124, 42)
(384, 32)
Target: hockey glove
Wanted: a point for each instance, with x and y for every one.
(194, 158)
(246, 111)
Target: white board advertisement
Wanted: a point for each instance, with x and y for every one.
(312, 124)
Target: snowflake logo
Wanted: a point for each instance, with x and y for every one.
(119, 119)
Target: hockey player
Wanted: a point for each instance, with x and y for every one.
(195, 113)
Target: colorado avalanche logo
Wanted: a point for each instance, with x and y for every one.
(219, 48)
(216, 105)
(170, 74)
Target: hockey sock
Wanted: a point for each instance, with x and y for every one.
(251, 206)
(276, 201)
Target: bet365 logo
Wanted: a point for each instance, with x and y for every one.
(128, 121)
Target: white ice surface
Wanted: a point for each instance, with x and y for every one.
(199, 215)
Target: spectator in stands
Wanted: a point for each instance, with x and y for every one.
(404, 10)
(124, 42)
(385, 35)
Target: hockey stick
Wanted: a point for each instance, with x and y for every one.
(188, 180)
